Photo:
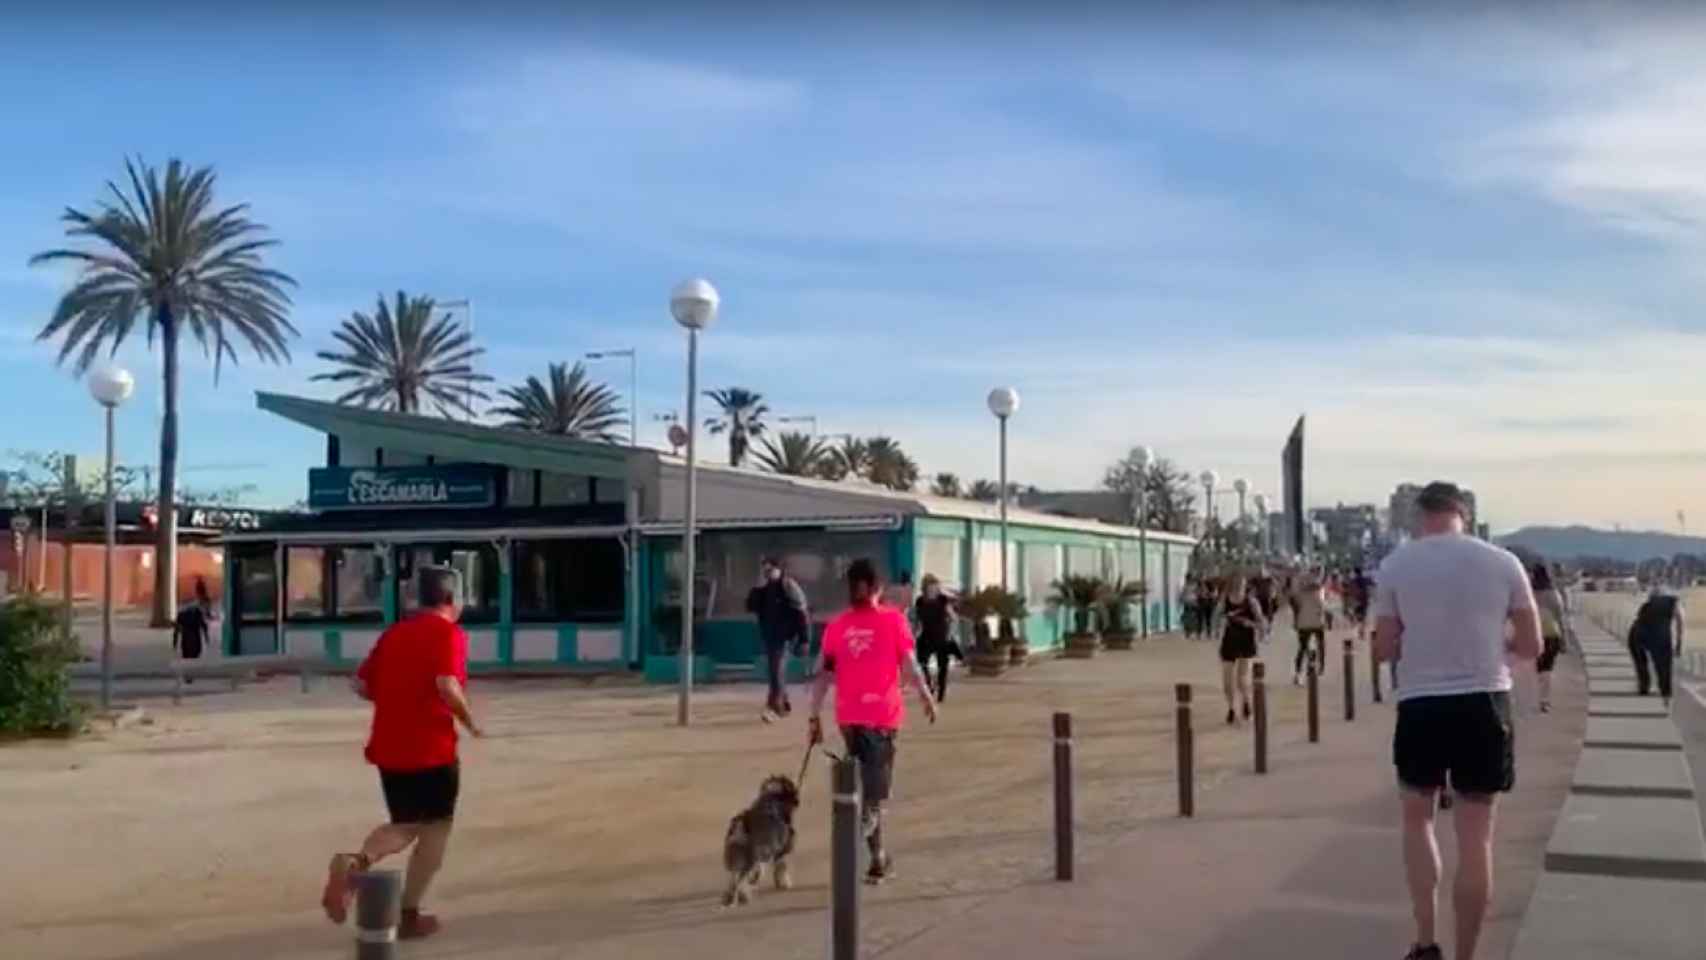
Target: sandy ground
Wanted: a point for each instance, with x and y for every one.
(590, 825)
(1615, 610)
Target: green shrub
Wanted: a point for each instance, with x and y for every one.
(35, 690)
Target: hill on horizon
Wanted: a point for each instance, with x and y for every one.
(1631, 546)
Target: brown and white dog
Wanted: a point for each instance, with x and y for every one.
(761, 834)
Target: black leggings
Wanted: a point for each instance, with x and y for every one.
(776, 656)
(1657, 653)
(1319, 654)
(942, 655)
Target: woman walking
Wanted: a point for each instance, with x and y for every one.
(1188, 606)
(1238, 645)
(934, 613)
(1551, 606)
(1208, 600)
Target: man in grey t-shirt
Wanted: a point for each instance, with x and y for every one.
(1442, 604)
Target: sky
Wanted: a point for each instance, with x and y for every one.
(1466, 243)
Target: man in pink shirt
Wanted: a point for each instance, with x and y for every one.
(866, 651)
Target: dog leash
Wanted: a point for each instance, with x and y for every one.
(805, 766)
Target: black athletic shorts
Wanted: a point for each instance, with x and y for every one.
(874, 751)
(421, 796)
(1551, 647)
(1468, 736)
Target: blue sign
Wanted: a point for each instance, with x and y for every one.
(391, 488)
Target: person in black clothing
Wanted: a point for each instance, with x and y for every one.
(780, 606)
(934, 612)
(1654, 638)
(1238, 644)
(191, 628)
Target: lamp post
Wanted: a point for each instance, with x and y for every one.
(1141, 459)
(693, 303)
(1241, 487)
(110, 386)
(1003, 402)
(1261, 501)
(633, 387)
(467, 306)
(1209, 480)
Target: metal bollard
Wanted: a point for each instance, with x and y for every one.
(1374, 672)
(1260, 682)
(378, 908)
(844, 862)
(1314, 705)
(1063, 797)
(307, 680)
(177, 686)
(1187, 752)
(1350, 680)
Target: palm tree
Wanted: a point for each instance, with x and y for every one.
(402, 353)
(986, 491)
(947, 485)
(794, 454)
(851, 459)
(743, 417)
(164, 254)
(890, 466)
(570, 406)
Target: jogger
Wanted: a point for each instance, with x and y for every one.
(1654, 637)
(867, 655)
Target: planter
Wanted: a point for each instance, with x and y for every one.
(1019, 654)
(1122, 640)
(988, 663)
(1082, 646)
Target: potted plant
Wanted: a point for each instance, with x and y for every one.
(1079, 595)
(1117, 632)
(988, 654)
(1012, 610)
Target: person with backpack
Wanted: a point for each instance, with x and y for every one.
(783, 621)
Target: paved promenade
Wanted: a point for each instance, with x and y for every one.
(1305, 862)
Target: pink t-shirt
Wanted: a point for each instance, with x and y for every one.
(866, 645)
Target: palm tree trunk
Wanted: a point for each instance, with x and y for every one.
(737, 446)
(166, 542)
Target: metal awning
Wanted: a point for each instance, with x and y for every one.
(440, 535)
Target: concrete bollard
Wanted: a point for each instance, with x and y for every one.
(1350, 680)
(844, 862)
(1259, 680)
(378, 908)
(1314, 705)
(1187, 751)
(1063, 797)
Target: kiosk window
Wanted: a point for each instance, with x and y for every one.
(478, 564)
(563, 581)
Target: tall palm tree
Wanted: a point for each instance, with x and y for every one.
(163, 253)
(947, 485)
(570, 406)
(890, 465)
(986, 491)
(851, 459)
(794, 454)
(742, 416)
(403, 353)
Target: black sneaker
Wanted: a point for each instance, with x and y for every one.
(1430, 952)
(881, 869)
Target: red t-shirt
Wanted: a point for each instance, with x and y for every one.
(865, 647)
(413, 728)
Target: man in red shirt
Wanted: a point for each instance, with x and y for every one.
(866, 652)
(415, 677)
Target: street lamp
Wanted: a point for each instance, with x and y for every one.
(633, 387)
(467, 306)
(110, 386)
(1261, 501)
(1209, 480)
(1003, 402)
(693, 304)
(1241, 487)
(1141, 459)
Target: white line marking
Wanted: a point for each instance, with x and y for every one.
(1694, 691)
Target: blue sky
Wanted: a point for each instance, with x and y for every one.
(1465, 245)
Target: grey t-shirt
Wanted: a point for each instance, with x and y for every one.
(1454, 595)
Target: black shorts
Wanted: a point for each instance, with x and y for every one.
(874, 751)
(1468, 736)
(421, 796)
(1549, 654)
(1237, 643)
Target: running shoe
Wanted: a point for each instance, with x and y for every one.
(339, 892)
(416, 925)
(1429, 952)
(1231, 718)
(882, 868)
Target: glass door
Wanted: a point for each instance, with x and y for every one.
(254, 569)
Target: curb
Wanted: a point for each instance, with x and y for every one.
(1625, 868)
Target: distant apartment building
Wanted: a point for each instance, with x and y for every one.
(1404, 514)
(1347, 532)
